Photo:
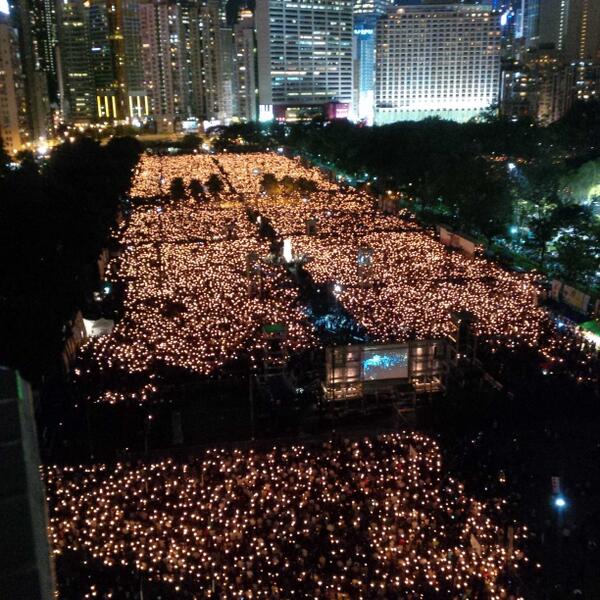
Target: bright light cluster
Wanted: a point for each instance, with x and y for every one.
(187, 306)
(245, 171)
(187, 221)
(328, 213)
(351, 519)
(154, 174)
(188, 303)
(414, 284)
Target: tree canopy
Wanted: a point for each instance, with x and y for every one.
(54, 221)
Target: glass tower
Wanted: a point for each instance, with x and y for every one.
(366, 14)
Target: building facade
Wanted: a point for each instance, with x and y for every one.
(14, 130)
(304, 56)
(437, 60)
(75, 75)
(27, 566)
(29, 18)
(166, 61)
(101, 76)
(366, 15)
(245, 77)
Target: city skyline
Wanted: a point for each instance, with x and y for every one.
(182, 65)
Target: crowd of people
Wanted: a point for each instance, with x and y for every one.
(245, 171)
(373, 518)
(406, 284)
(198, 290)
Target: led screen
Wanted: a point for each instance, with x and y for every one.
(385, 363)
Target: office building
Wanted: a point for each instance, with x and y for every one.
(166, 61)
(100, 61)
(124, 34)
(304, 56)
(245, 76)
(579, 34)
(14, 129)
(211, 61)
(529, 18)
(75, 76)
(366, 15)
(437, 60)
(542, 88)
(572, 27)
(28, 18)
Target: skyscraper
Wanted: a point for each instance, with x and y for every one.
(13, 107)
(101, 75)
(579, 34)
(366, 14)
(530, 15)
(210, 41)
(76, 81)
(245, 81)
(124, 35)
(304, 56)
(572, 27)
(28, 16)
(165, 60)
(437, 60)
(227, 65)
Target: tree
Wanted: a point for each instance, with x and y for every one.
(124, 152)
(177, 188)
(28, 163)
(483, 202)
(306, 185)
(53, 225)
(195, 189)
(578, 254)
(190, 141)
(214, 184)
(269, 184)
(287, 184)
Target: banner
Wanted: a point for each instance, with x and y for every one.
(575, 299)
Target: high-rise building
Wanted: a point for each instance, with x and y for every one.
(227, 60)
(166, 60)
(45, 38)
(572, 27)
(245, 80)
(76, 79)
(101, 76)
(102, 63)
(530, 19)
(14, 129)
(304, 56)
(124, 34)
(366, 15)
(210, 42)
(190, 44)
(437, 60)
(544, 87)
(28, 18)
(580, 30)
